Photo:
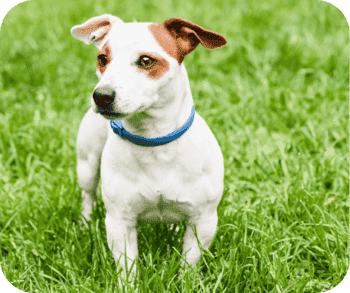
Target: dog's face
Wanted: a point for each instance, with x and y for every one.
(132, 68)
(137, 62)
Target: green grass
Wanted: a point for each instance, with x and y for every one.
(276, 98)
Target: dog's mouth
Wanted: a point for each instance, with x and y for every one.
(110, 114)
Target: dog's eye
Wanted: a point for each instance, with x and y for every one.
(102, 60)
(145, 62)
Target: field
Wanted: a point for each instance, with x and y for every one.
(276, 98)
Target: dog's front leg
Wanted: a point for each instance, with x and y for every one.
(88, 176)
(205, 225)
(92, 137)
(122, 238)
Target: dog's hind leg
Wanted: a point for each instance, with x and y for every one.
(92, 137)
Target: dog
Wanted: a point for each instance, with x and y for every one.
(157, 158)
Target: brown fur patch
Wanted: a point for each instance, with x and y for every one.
(165, 40)
(179, 37)
(105, 50)
(94, 26)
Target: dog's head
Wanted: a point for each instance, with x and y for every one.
(137, 62)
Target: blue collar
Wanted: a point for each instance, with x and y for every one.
(119, 129)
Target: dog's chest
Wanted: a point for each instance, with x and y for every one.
(154, 192)
(166, 197)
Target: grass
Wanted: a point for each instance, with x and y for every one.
(276, 98)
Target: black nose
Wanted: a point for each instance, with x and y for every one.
(104, 97)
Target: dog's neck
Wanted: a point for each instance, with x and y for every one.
(170, 113)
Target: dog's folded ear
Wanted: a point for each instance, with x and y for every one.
(95, 29)
(189, 35)
(180, 37)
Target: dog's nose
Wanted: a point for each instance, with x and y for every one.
(103, 97)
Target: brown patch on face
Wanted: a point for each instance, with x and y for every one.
(106, 51)
(94, 26)
(179, 37)
(158, 69)
(165, 39)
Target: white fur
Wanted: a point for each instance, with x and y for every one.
(181, 180)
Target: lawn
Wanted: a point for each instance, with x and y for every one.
(276, 98)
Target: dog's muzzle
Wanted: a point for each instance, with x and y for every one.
(104, 98)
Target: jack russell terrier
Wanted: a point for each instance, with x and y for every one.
(157, 158)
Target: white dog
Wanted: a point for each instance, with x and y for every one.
(157, 158)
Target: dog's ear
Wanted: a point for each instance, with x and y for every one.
(95, 29)
(185, 37)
